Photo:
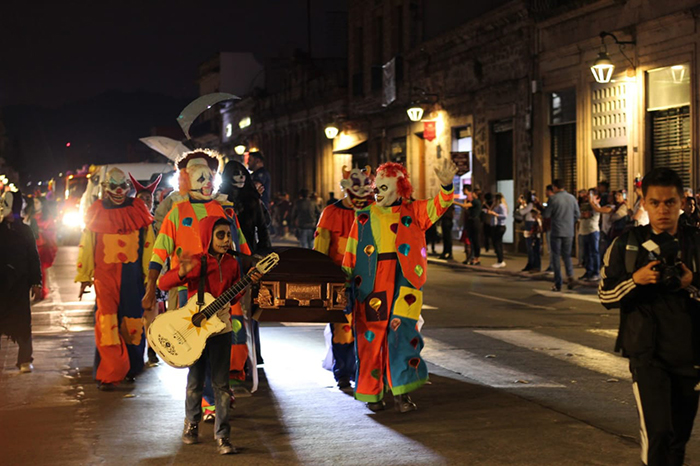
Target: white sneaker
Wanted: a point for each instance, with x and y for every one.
(499, 265)
(26, 367)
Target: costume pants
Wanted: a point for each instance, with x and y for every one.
(25, 350)
(561, 247)
(387, 358)
(497, 233)
(216, 356)
(667, 405)
(447, 239)
(343, 348)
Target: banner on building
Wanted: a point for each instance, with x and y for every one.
(428, 130)
(461, 159)
(389, 84)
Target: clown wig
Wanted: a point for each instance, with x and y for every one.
(213, 159)
(396, 170)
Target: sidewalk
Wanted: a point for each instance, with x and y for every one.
(515, 263)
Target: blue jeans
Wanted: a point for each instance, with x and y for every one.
(561, 248)
(216, 355)
(590, 253)
(306, 238)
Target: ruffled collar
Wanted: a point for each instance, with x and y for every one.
(131, 216)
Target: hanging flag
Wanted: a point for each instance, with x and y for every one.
(428, 130)
(389, 82)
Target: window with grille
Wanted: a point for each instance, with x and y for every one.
(671, 141)
(612, 166)
(564, 154)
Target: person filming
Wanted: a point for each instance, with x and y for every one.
(650, 273)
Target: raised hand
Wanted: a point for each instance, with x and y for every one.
(446, 172)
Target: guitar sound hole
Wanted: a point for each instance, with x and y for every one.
(198, 319)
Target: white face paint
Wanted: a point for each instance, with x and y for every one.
(386, 191)
(116, 186)
(358, 188)
(6, 205)
(201, 181)
(238, 180)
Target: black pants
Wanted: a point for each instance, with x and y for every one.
(473, 231)
(446, 239)
(487, 235)
(497, 233)
(667, 405)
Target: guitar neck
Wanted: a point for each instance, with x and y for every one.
(227, 296)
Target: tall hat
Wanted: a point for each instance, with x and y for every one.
(140, 188)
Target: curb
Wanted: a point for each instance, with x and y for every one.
(541, 276)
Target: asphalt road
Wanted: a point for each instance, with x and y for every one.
(519, 376)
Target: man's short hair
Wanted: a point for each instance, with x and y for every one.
(468, 187)
(558, 183)
(549, 188)
(303, 193)
(604, 183)
(662, 177)
(258, 155)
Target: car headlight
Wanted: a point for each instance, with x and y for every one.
(72, 219)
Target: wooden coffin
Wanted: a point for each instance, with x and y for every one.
(306, 286)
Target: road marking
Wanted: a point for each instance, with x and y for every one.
(429, 307)
(519, 303)
(569, 294)
(476, 368)
(573, 353)
(606, 332)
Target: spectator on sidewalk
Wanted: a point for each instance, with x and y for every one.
(547, 226)
(472, 222)
(589, 232)
(256, 163)
(582, 197)
(486, 220)
(446, 223)
(282, 209)
(564, 212)
(640, 216)
(536, 240)
(690, 216)
(304, 218)
(499, 217)
(331, 198)
(617, 219)
(526, 207)
(431, 238)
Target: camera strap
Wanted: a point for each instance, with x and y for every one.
(631, 252)
(202, 280)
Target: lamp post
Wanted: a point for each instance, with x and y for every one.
(415, 111)
(239, 149)
(331, 131)
(603, 67)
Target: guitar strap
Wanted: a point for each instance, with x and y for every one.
(202, 280)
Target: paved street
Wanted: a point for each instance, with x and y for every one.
(520, 376)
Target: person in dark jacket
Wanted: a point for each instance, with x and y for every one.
(659, 317)
(20, 274)
(304, 218)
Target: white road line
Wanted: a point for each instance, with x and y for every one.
(519, 303)
(569, 294)
(573, 353)
(429, 307)
(606, 332)
(476, 368)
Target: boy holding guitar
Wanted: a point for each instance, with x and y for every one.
(213, 272)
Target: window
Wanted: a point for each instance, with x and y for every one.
(378, 41)
(612, 166)
(563, 107)
(671, 141)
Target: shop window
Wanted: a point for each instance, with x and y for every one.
(562, 107)
(612, 166)
(564, 154)
(398, 150)
(668, 87)
(671, 141)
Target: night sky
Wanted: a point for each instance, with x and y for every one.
(56, 52)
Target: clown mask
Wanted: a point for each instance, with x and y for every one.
(201, 179)
(115, 186)
(357, 186)
(387, 190)
(6, 205)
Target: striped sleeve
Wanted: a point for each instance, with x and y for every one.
(429, 211)
(165, 242)
(350, 257)
(322, 236)
(616, 283)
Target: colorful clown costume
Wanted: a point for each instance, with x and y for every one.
(386, 265)
(114, 252)
(331, 239)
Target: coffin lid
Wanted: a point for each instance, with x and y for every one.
(298, 265)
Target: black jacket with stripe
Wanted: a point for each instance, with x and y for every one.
(657, 326)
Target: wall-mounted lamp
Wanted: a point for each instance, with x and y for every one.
(416, 110)
(239, 149)
(331, 131)
(415, 113)
(603, 67)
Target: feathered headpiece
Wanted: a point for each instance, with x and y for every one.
(141, 188)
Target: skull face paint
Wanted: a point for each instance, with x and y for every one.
(386, 190)
(116, 186)
(6, 205)
(201, 179)
(357, 186)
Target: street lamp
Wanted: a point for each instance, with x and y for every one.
(239, 149)
(415, 113)
(603, 67)
(331, 131)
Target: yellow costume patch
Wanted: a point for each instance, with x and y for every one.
(409, 303)
(121, 249)
(342, 333)
(132, 330)
(109, 330)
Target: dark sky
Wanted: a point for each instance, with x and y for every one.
(53, 52)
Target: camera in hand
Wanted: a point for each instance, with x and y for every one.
(666, 249)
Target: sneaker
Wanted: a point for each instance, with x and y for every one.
(556, 288)
(594, 278)
(343, 383)
(190, 435)
(209, 414)
(224, 447)
(403, 404)
(26, 367)
(570, 283)
(585, 276)
(376, 406)
(152, 358)
(499, 265)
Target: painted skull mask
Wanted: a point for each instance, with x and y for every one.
(6, 201)
(201, 179)
(357, 186)
(387, 192)
(116, 186)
